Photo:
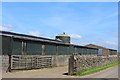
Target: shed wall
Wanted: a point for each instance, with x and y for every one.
(72, 49)
(50, 49)
(62, 50)
(6, 45)
(17, 47)
(33, 48)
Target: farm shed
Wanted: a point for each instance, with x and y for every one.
(22, 51)
(103, 50)
(21, 44)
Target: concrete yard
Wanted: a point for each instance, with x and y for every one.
(59, 72)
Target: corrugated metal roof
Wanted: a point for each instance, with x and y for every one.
(34, 38)
(97, 46)
(24, 35)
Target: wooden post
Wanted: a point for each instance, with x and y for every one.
(43, 49)
(9, 68)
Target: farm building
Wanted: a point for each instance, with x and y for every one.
(22, 51)
(21, 44)
(103, 50)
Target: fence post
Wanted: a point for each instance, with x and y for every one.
(9, 68)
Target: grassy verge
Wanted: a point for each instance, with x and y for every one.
(95, 69)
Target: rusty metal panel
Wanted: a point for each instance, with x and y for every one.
(105, 52)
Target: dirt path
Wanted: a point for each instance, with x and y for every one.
(58, 72)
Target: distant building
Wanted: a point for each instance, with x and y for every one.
(103, 50)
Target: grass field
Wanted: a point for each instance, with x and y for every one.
(95, 69)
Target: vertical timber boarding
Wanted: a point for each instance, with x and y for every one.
(57, 49)
(105, 52)
(16, 47)
(50, 49)
(43, 49)
(75, 50)
(6, 45)
(24, 46)
(34, 48)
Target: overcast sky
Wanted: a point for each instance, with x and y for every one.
(85, 22)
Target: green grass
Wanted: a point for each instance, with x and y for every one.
(95, 69)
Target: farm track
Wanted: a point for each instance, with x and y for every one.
(59, 72)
